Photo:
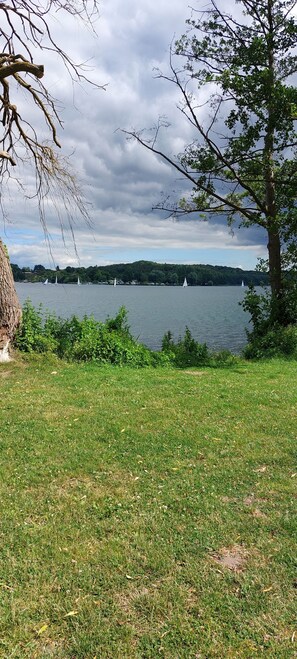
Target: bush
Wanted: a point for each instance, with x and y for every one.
(107, 343)
(277, 342)
(84, 340)
(186, 352)
(269, 338)
(223, 358)
(33, 336)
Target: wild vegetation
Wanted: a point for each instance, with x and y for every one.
(86, 339)
(111, 342)
(267, 338)
(147, 512)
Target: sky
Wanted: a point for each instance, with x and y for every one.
(121, 180)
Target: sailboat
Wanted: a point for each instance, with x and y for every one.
(114, 282)
(185, 282)
(242, 284)
(45, 282)
(56, 281)
(78, 281)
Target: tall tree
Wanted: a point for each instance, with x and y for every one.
(26, 33)
(242, 161)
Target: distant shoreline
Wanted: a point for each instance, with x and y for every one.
(142, 273)
(145, 285)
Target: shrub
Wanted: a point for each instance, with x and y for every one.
(269, 338)
(223, 358)
(111, 342)
(277, 342)
(187, 351)
(84, 340)
(32, 335)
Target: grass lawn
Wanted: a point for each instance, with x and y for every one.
(147, 513)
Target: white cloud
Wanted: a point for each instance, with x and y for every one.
(121, 180)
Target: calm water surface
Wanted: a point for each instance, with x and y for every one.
(212, 313)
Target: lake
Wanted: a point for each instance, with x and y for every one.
(212, 313)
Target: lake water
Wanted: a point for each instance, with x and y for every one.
(212, 313)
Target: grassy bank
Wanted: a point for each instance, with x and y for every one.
(147, 513)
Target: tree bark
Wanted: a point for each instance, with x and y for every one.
(274, 255)
(10, 308)
(274, 244)
(279, 311)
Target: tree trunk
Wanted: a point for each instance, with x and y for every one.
(274, 245)
(10, 308)
(279, 312)
(274, 255)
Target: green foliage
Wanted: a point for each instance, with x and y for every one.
(258, 306)
(167, 342)
(278, 341)
(88, 340)
(188, 352)
(269, 338)
(33, 335)
(84, 340)
(250, 60)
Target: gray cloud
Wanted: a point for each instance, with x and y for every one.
(121, 180)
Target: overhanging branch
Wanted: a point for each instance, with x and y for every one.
(228, 204)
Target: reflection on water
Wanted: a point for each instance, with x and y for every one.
(212, 313)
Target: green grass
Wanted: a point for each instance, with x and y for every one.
(121, 493)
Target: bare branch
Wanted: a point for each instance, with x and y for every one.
(25, 31)
(26, 67)
(4, 154)
(186, 174)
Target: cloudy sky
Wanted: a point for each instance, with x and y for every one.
(121, 180)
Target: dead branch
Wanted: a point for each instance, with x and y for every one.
(25, 33)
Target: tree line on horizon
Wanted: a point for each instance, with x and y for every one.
(144, 273)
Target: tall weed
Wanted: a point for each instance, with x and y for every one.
(188, 352)
(84, 339)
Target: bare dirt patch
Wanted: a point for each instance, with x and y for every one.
(117, 484)
(253, 501)
(52, 649)
(198, 373)
(5, 374)
(249, 501)
(258, 513)
(127, 599)
(232, 558)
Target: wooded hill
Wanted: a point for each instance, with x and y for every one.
(144, 273)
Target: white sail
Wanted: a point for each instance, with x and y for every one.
(56, 280)
(242, 284)
(45, 282)
(185, 282)
(78, 281)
